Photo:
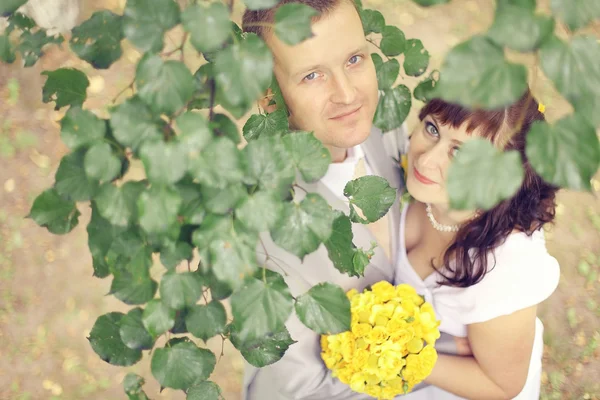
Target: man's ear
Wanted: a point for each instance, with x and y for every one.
(267, 102)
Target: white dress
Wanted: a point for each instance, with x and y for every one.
(524, 275)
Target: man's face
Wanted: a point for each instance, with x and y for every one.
(328, 81)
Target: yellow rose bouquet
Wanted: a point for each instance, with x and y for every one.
(390, 347)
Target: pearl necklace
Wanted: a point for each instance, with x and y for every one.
(436, 225)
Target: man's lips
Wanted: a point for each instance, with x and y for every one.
(346, 114)
(422, 178)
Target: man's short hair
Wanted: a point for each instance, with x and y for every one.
(254, 20)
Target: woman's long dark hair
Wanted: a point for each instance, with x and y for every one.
(465, 262)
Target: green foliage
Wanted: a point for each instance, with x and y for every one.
(204, 194)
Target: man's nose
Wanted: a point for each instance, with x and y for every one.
(344, 91)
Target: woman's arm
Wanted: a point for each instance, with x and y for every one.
(501, 353)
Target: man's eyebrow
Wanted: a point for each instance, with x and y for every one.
(317, 66)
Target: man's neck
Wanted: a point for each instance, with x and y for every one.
(338, 154)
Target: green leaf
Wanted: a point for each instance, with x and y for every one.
(204, 78)
(340, 247)
(576, 14)
(195, 132)
(361, 259)
(416, 58)
(264, 350)
(7, 7)
(373, 21)
(165, 163)
(172, 255)
(528, 5)
(158, 208)
(566, 154)
(119, 204)
(387, 72)
(244, 71)
(218, 290)
(158, 318)
(146, 21)
(206, 390)
(325, 309)
(223, 201)
(222, 125)
(206, 321)
(518, 29)
(65, 86)
(81, 127)
(220, 164)
(132, 384)
(260, 211)
(260, 5)
(208, 24)
(53, 212)
(133, 333)
(293, 22)
(7, 53)
(31, 44)
(393, 108)
(573, 68)
(233, 257)
(273, 124)
(424, 90)
(479, 65)
(20, 21)
(481, 176)
(132, 283)
(106, 341)
(101, 163)
(309, 155)
(179, 290)
(133, 123)
(101, 235)
(261, 307)
(71, 180)
(269, 165)
(429, 3)
(98, 40)
(192, 209)
(166, 86)
(393, 42)
(181, 365)
(304, 226)
(372, 195)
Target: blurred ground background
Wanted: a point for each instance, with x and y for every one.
(49, 299)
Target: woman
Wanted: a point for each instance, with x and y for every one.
(485, 272)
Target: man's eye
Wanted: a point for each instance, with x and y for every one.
(311, 77)
(431, 129)
(355, 59)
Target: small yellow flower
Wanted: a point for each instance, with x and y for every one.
(541, 108)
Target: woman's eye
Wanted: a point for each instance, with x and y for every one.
(454, 152)
(355, 59)
(311, 77)
(431, 129)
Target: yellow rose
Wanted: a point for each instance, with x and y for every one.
(377, 335)
(361, 330)
(414, 346)
(419, 366)
(384, 290)
(358, 382)
(360, 358)
(373, 390)
(388, 393)
(351, 293)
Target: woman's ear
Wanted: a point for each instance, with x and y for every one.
(267, 102)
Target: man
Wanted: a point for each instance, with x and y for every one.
(330, 87)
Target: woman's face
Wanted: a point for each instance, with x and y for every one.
(432, 148)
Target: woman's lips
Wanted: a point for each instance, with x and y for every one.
(422, 178)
